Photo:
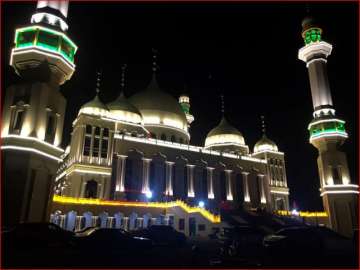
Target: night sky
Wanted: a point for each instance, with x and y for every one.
(250, 50)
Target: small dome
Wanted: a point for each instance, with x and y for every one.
(224, 133)
(309, 23)
(265, 144)
(94, 107)
(123, 110)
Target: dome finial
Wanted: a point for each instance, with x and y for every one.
(98, 79)
(263, 127)
(123, 68)
(222, 105)
(154, 64)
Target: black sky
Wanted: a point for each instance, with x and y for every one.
(250, 50)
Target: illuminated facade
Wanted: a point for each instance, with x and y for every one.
(137, 150)
(327, 134)
(129, 162)
(33, 113)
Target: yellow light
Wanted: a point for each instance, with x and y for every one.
(223, 139)
(302, 213)
(189, 209)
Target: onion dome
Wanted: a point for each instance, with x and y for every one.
(94, 107)
(224, 134)
(311, 32)
(161, 112)
(265, 144)
(121, 109)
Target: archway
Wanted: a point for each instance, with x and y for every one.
(91, 189)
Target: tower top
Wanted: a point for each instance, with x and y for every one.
(311, 32)
(53, 13)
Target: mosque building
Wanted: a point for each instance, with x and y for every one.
(129, 162)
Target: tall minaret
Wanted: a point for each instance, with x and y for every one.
(327, 134)
(33, 112)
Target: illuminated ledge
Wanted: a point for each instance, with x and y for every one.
(34, 139)
(87, 169)
(329, 134)
(279, 192)
(28, 149)
(341, 186)
(186, 147)
(42, 51)
(267, 151)
(301, 213)
(189, 209)
(339, 192)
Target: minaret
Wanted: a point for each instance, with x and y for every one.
(184, 101)
(33, 112)
(327, 134)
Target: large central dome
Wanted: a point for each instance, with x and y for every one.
(162, 114)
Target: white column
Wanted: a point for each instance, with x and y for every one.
(146, 175)
(262, 188)
(120, 173)
(169, 177)
(246, 187)
(190, 172)
(210, 172)
(229, 194)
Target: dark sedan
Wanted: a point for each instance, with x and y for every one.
(103, 239)
(308, 246)
(162, 235)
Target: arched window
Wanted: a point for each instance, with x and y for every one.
(173, 139)
(153, 135)
(163, 137)
(91, 189)
(181, 140)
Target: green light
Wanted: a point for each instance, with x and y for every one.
(39, 36)
(312, 35)
(185, 107)
(327, 127)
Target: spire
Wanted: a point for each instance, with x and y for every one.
(123, 69)
(222, 105)
(154, 63)
(153, 84)
(98, 79)
(263, 127)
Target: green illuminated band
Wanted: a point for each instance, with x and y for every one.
(40, 36)
(312, 35)
(326, 127)
(185, 107)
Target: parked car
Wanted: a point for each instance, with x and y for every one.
(242, 241)
(103, 239)
(36, 235)
(315, 245)
(162, 235)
